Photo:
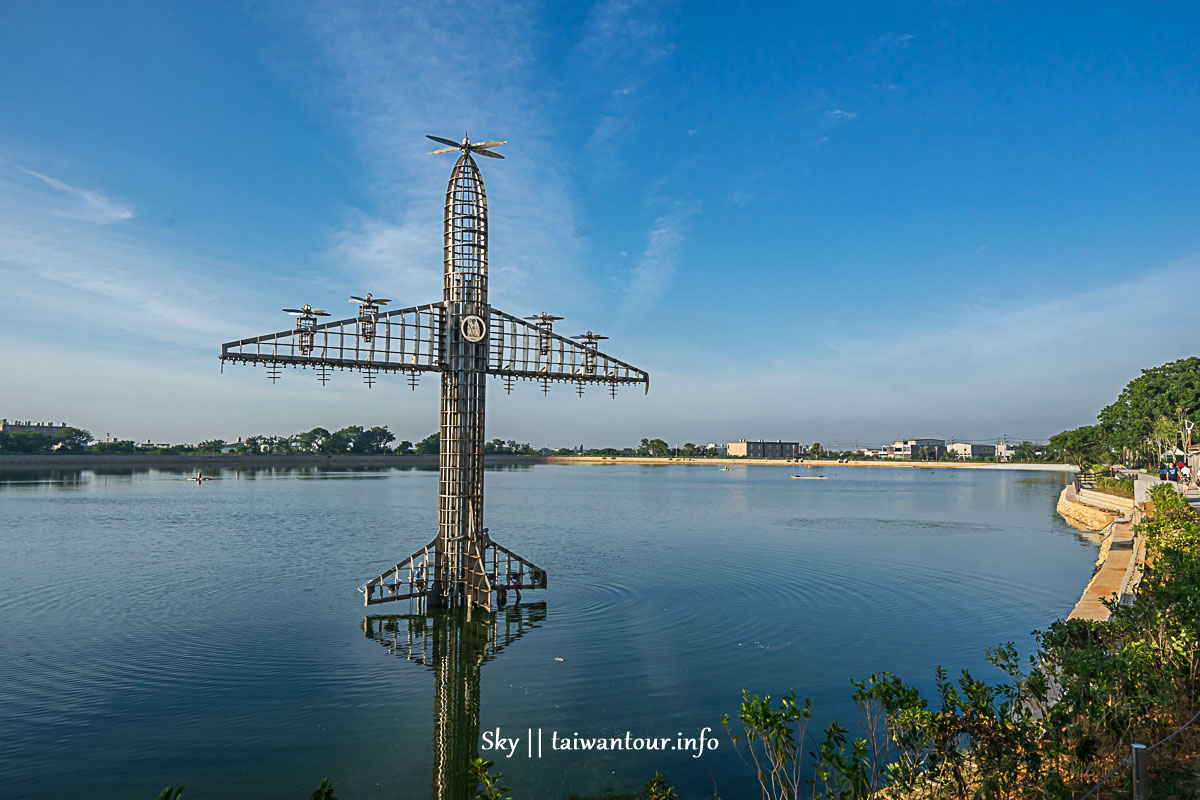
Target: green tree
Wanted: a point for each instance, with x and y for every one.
(816, 451)
(25, 442)
(311, 441)
(1081, 445)
(374, 440)
(115, 446)
(1170, 391)
(654, 448)
(1028, 451)
(72, 440)
(404, 448)
(211, 446)
(430, 445)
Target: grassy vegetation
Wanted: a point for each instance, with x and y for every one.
(1049, 732)
(1121, 487)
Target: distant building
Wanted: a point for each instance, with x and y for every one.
(44, 428)
(911, 448)
(967, 450)
(719, 449)
(764, 449)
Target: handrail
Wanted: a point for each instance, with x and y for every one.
(1125, 762)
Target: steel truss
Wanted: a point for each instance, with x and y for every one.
(465, 340)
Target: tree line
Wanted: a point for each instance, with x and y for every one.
(1152, 417)
(356, 439)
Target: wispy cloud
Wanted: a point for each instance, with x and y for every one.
(394, 73)
(971, 370)
(83, 204)
(620, 43)
(835, 117)
(651, 278)
(100, 282)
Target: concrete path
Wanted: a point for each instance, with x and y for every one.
(1110, 579)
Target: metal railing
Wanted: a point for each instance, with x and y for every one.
(1137, 763)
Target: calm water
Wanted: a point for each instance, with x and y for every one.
(153, 631)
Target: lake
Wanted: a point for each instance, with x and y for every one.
(154, 631)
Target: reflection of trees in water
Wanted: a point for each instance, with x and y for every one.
(21, 477)
(454, 648)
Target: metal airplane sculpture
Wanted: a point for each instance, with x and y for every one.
(466, 340)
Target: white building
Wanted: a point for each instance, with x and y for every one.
(911, 448)
(969, 450)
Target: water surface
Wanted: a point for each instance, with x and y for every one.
(153, 631)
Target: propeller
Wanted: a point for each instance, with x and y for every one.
(379, 301)
(307, 311)
(544, 317)
(466, 146)
(589, 337)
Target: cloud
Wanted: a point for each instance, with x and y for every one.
(629, 31)
(67, 276)
(973, 371)
(620, 43)
(651, 278)
(392, 73)
(836, 117)
(83, 204)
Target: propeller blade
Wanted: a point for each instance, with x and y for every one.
(319, 312)
(488, 144)
(354, 299)
(293, 311)
(443, 150)
(440, 140)
(487, 153)
(381, 301)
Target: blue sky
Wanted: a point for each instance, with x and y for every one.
(866, 221)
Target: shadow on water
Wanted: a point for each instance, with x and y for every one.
(454, 647)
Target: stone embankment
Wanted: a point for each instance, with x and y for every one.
(1088, 513)
(1118, 565)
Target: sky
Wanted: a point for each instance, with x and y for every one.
(814, 222)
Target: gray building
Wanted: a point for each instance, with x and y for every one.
(765, 449)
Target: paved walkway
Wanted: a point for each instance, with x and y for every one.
(1110, 580)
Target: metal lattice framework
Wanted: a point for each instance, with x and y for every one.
(466, 340)
(454, 649)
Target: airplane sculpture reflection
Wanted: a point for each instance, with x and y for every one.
(466, 340)
(454, 647)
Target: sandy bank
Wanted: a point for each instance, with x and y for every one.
(719, 462)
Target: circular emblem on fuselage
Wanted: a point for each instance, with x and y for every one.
(473, 328)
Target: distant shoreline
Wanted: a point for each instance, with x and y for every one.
(714, 462)
(212, 461)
